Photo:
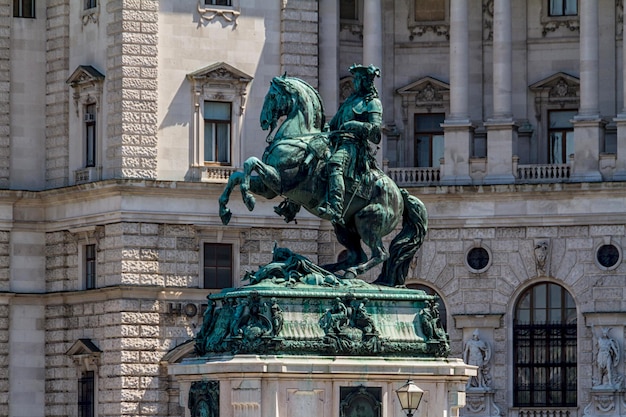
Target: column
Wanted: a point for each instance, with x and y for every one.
(501, 130)
(373, 34)
(373, 45)
(588, 127)
(620, 120)
(458, 128)
(329, 55)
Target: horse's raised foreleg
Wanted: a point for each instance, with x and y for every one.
(234, 180)
(267, 174)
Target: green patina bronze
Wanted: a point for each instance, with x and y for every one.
(293, 306)
(332, 174)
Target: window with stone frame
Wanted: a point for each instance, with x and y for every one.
(556, 100)
(562, 7)
(86, 357)
(90, 262)
(226, 11)
(560, 136)
(90, 4)
(217, 132)
(429, 16)
(219, 93)
(217, 265)
(85, 150)
(90, 134)
(86, 394)
(544, 348)
(24, 8)
(428, 137)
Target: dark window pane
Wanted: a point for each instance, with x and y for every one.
(544, 348)
(348, 10)
(86, 395)
(218, 265)
(90, 267)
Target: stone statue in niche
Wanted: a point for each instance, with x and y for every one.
(607, 358)
(542, 249)
(477, 352)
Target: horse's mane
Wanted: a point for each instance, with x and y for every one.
(304, 97)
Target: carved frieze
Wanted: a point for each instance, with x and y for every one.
(208, 13)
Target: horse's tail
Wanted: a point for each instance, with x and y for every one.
(404, 246)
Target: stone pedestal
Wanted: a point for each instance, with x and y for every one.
(606, 402)
(317, 386)
(480, 403)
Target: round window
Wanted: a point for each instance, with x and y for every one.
(478, 259)
(608, 256)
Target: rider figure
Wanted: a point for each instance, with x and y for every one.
(357, 121)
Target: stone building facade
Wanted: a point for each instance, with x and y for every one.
(505, 117)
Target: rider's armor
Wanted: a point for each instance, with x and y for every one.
(356, 123)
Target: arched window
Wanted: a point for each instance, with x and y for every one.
(443, 312)
(544, 348)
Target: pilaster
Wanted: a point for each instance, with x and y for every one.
(588, 134)
(132, 71)
(501, 135)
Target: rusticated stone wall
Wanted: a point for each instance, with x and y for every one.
(4, 359)
(132, 67)
(5, 260)
(57, 93)
(6, 11)
(299, 40)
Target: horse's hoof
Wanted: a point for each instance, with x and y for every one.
(225, 215)
(350, 273)
(249, 201)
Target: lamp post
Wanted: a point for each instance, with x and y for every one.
(410, 396)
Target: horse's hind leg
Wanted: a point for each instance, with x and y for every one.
(355, 254)
(366, 222)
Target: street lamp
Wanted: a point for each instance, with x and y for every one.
(409, 396)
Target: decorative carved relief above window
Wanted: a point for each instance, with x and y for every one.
(560, 90)
(429, 16)
(426, 93)
(87, 83)
(226, 10)
(90, 13)
(551, 23)
(86, 355)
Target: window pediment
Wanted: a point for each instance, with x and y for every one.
(220, 72)
(560, 88)
(86, 354)
(85, 75)
(220, 81)
(426, 92)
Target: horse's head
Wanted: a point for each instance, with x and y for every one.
(290, 96)
(277, 103)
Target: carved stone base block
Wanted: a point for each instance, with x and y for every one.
(606, 403)
(480, 403)
(319, 386)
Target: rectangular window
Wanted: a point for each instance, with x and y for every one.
(218, 2)
(430, 10)
(217, 126)
(90, 4)
(218, 265)
(90, 135)
(86, 395)
(563, 7)
(349, 10)
(24, 8)
(428, 139)
(90, 267)
(560, 136)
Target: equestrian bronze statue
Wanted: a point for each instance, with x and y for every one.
(332, 174)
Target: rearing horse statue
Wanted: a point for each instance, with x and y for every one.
(294, 166)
